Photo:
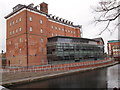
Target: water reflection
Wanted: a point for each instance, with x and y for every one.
(101, 78)
(112, 76)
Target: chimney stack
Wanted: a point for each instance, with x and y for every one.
(44, 7)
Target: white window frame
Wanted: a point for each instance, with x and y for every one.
(20, 61)
(31, 29)
(13, 22)
(10, 33)
(10, 24)
(41, 21)
(16, 30)
(16, 45)
(59, 28)
(20, 40)
(20, 50)
(41, 40)
(30, 18)
(52, 27)
(20, 29)
(13, 32)
(16, 21)
(41, 30)
(20, 19)
(52, 34)
(56, 28)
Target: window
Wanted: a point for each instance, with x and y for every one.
(13, 22)
(10, 51)
(42, 50)
(30, 29)
(20, 29)
(30, 18)
(59, 29)
(41, 40)
(16, 21)
(16, 30)
(52, 27)
(41, 22)
(10, 24)
(20, 40)
(13, 32)
(52, 34)
(62, 29)
(56, 35)
(20, 50)
(20, 19)
(42, 60)
(41, 31)
(56, 28)
(10, 33)
(16, 45)
(20, 61)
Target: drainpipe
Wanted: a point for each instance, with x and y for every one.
(26, 38)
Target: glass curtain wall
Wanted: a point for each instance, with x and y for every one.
(70, 49)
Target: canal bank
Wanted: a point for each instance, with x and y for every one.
(49, 75)
(104, 79)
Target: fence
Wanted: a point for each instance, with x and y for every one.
(58, 67)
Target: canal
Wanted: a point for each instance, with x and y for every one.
(100, 78)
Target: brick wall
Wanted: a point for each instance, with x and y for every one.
(113, 48)
(27, 34)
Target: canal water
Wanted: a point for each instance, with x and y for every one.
(100, 78)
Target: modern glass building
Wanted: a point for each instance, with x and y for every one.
(61, 48)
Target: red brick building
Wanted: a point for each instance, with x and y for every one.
(114, 48)
(27, 31)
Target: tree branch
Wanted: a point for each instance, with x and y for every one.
(111, 19)
(105, 28)
(108, 11)
(105, 8)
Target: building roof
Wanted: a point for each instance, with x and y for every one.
(20, 7)
(99, 39)
(72, 38)
(49, 16)
(112, 41)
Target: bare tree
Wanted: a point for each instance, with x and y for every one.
(107, 11)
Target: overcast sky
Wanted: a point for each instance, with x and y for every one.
(77, 11)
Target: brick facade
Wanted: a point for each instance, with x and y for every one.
(27, 33)
(114, 48)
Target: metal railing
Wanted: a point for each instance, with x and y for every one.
(56, 67)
